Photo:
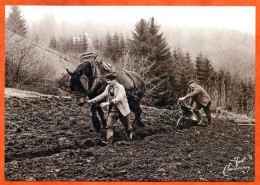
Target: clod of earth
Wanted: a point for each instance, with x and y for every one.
(52, 139)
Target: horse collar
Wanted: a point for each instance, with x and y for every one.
(95, 81)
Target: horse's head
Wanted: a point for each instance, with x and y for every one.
(79, 82)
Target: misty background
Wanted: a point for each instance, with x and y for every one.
(221, 37)
(215, 31)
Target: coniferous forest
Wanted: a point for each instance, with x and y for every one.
(146, 49)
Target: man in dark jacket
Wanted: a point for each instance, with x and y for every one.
(202, 99)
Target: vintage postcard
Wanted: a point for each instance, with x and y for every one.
(129, 92)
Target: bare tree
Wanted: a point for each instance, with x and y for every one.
(22, 63)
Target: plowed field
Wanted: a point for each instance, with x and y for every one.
(52, 139)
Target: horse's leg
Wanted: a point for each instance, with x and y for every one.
(136, 108)
(95, 120)
(102, 116)
(138, 115)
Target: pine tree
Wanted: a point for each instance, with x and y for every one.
(199, 68)
(208, 73)
(80, 44)
(66, 45)
(204, 71)
(139, 44)
(160, 55)
(96, 44)
(122, 46)
(116, 48)
(53, 43)
(177, 69)
(15, 22)
(77, 45)
(189, 67)
(158, 47)
(251, 99)
(84, 45)
(62, 44)
(187, 73)
(181, 71)
(108, 46)
(228, 89)
(148, 43)
(70, 44)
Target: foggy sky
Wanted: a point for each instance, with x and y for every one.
(241, 18)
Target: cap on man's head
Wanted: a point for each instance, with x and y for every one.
(111, 76)
(191, 82)
(88, 55)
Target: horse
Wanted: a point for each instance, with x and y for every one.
(88, 80)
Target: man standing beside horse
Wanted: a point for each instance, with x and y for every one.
(118, 106)
(202, 99)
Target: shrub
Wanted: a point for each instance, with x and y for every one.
(23, 66)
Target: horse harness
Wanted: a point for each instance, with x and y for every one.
(135, 91)
(85, 80)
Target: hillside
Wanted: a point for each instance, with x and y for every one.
(58, 61)
(40, 54)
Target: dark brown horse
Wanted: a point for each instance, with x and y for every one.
(88, 79)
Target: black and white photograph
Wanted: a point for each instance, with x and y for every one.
(129, 93)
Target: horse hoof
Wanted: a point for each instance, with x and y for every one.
(140, 124)
(98, 129)
(129, 134)
(107, 143)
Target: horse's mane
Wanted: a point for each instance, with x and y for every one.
(102, 64)
(106, 66)
(81, 66)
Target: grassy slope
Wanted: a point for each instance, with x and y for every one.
(45, 55)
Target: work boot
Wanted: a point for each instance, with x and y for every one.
(140, 124)
(110, 135)
(209, 122)
(200, 123)
(129, 134)
(107, 143)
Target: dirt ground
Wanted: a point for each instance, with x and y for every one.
(52, 139)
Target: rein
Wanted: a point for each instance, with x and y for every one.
(85, 81)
